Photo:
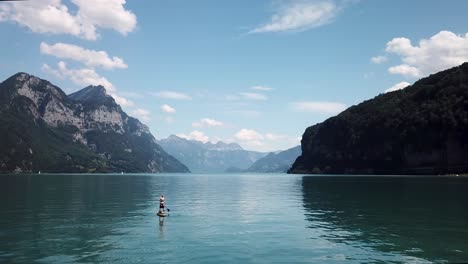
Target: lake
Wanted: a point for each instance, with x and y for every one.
(233, 218)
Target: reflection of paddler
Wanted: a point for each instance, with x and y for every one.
(161, 227)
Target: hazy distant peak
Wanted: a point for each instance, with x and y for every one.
(223, 146)
(220, 145)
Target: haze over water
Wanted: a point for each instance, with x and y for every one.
(233, 218)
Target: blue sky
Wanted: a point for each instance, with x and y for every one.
(253, 72)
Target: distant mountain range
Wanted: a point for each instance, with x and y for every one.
(422, 129)
(209, 157)
(276, 162)
(43, 129)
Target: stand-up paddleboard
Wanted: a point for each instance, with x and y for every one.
(163, 214)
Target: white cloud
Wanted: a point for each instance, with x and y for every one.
(81, 77)
(172, 95)
(53, 16)
(379, 59)
(109, 14)
(261, 88)
(441, 51)
(405, 70)
(254, 96)
(142, 114)
(207, 122)
(248, 135)
(398, 86)
(319, 107)
(195, 135)
(300, 15)
(85, 77)
(167, 109)
(121, 100)
(90, 58)
(251, 139)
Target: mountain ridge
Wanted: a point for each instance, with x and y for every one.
(209, 157)
(44, 129)
(422, 129)
(278, 161)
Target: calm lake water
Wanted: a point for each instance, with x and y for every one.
(246, 218)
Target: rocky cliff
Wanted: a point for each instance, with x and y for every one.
(43, 129)
(422, 129)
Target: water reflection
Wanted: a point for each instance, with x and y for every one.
(161, 227)
(56, 215)
(417, 217)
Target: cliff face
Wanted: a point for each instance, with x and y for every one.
(44, 129)
(422, 129)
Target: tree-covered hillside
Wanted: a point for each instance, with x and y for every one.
(422, 129)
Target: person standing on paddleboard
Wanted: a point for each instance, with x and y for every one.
(161, 203)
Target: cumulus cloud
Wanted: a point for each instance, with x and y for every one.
(195, 135)
(248, 135)
(142, 114)
(441, 51)
(172, 95)
(398, 86)
(254, 96)
(90, 58)
(82, 77)
(261, 88)
(300, 15)
(405, 70)
(109, 14)
(379, 59)
(167, 109)
(252, 139)
(121, 100)
(318, 107)
(55, 17)
(85, 77)
(207, 122)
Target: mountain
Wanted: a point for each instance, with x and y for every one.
(208, 157)
(43, 129)
(422, 129)
(276, 162)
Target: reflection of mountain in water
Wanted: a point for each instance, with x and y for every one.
(420, 217)
(65, 214)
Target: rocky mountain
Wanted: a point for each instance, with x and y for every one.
(422, 129)
(276, 162)
(208, 157)
(43, 129)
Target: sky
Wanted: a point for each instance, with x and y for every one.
(253, 72)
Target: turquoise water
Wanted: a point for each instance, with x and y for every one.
(245, 218)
